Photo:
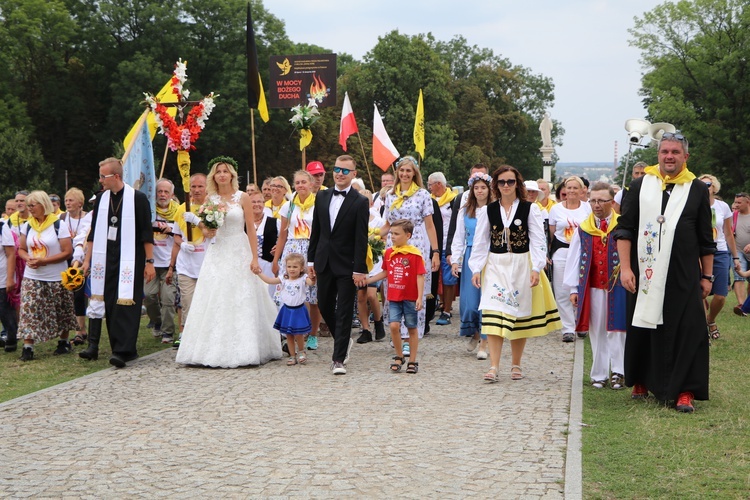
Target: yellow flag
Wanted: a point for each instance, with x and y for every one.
(419, 127)
(262, 106)
(164, 95)
(305, 137)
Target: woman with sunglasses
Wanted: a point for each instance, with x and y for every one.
(409, 200)
(564, 219)
(509, 253)
(278, 205)
(721, 215)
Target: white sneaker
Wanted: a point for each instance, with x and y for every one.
(481, 354)
(338, 368)
(405, 350)
(473, 342)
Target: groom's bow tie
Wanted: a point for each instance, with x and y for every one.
(336, 191)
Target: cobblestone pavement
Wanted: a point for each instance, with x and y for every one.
(157, 429)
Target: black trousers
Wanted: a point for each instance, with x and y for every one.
(123, 322)
(336, 296)
(9, 318)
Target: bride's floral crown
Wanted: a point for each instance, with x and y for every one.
(479, 175)
(223, 159)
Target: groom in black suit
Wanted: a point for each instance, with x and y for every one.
(338, 253)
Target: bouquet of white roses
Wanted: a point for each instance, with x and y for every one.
(212, 214)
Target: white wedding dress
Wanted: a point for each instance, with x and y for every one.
(231, 317)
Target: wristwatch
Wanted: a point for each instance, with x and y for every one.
(151, 261)
(709, 277)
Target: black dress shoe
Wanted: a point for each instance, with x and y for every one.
(117, 361)
(365, 337)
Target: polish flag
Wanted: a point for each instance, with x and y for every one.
(384, 153)
(348, 123)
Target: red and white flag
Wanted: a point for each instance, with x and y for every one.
(384, 153)
(348, 123)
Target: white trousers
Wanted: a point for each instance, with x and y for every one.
(562, 292)
(607, 348)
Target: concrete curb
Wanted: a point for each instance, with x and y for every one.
(573, 469)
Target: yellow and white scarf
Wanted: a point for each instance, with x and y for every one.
(401, 197)
(446, 197)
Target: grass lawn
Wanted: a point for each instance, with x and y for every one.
(45, 370)
(640, 449)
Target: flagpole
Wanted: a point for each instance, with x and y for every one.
(138, 126)
(364, 157)
(252, 141)
(163, 162)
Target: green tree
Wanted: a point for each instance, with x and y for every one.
(23, 166)
(696, 55)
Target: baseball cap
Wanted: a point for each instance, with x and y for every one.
(315, 167)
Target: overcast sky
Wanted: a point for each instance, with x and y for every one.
(581, 44)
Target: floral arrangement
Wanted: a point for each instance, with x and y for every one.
(377, 245)
(181, 137)
(304, 118)
(212, 214)
(72, 278)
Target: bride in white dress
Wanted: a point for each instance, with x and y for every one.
(231, 317)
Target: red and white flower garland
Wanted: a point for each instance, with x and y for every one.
(182, 137)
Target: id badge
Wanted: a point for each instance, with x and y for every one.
(112, 234)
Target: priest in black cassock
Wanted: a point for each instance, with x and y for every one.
(119, 257)
(665, 240)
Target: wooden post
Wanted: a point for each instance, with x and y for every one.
(364, 158)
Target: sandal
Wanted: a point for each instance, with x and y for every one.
(491, 375)
(713, 331)
(302, 357)
(396, 367)
(291, 361)
(617, 381)
(80, 338)
(516, 373)
(412, 367)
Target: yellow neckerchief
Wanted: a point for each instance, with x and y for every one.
(405, 249)
(39, 227)
(322, 188)
(589, 226)
(58, 212)
(401, 197)
(446, 197)
(168, 213)
(550, 204)
(274, 210)
(307, 205)
(683, 177)
(196, 235)
(16, 220)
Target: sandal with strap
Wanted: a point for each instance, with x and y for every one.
(516, 373)
(291, 361)
(412, 367)
(491, 375)
(80, 338)
(396, 367)
(302, 357)
(713, 331)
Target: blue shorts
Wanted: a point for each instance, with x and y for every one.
(445, 269)
(744, 264)
(722, 262)
(406, 309)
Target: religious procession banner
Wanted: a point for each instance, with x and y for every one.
(297, 79)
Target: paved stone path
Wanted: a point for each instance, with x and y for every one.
(157, 429)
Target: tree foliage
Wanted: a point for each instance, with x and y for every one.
(73, 73)
(696, 53)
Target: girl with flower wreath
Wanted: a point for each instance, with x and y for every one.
(480, 194)
(294, 237)
(409, 200)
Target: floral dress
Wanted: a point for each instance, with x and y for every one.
(415, 208)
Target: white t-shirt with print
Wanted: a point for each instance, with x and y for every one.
(720, 212)
(566, 221)
(45, 245)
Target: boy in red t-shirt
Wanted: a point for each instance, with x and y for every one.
(403, 268)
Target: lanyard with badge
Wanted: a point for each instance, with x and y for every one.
(112, 233)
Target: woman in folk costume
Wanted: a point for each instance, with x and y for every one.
(294, 237)
(592, 276)
(508, 255)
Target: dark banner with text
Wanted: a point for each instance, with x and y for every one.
(297, 79)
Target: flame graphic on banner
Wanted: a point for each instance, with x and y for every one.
(318, 89)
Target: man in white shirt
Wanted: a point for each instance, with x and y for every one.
(438, 187)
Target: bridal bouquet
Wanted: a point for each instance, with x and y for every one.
(212, 214)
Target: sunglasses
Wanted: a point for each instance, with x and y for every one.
(339, 170)
(503, 182)
(672, 136)
(742, 195)
(708, 183)
(102, 176)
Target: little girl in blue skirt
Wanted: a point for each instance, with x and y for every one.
(293, 319)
